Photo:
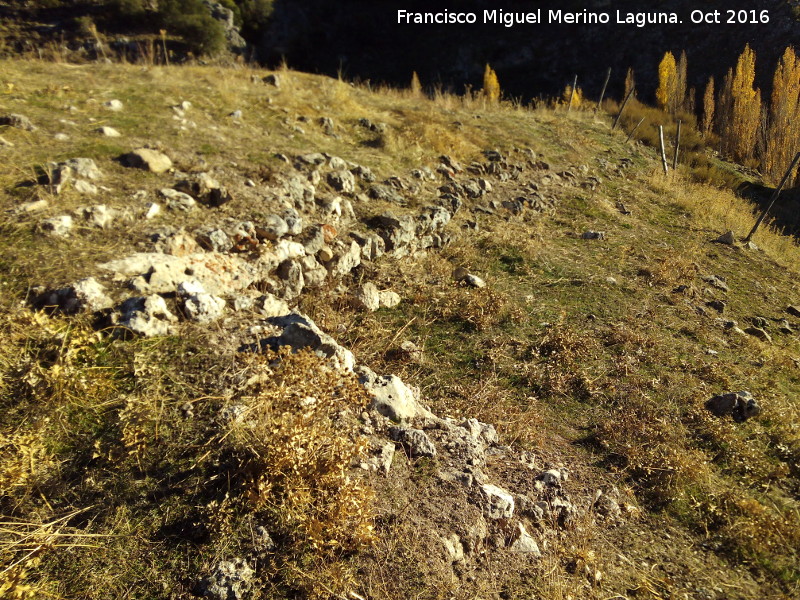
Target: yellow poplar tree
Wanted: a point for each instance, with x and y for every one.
(667, 82)
(708, 108)
(679, 100)
(784, 129)
(491, 85)
(746, 107)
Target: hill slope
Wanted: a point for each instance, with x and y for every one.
(545, 435)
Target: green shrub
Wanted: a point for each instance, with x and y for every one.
(191, 20)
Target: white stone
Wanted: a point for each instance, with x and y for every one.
(367, 297)
(84, 187)
(57, 226)
(108, 132)
(113, 105)
(394, 399)
(152, 210)
(498, 503)
(388, 298)
(524, 543)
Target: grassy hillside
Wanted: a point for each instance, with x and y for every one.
(127, 471)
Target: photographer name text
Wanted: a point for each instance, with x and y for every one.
(583, 17)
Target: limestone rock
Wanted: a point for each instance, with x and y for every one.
(205, 189)
(84, 295)
(178, 201)
(388, 298)
(740, 405)
(147, 316)
(342, 181)
(18, 121)
(108, 132)
(57, 226)
(147, 159)
(198, 305)
(394, 399)
(367, 297)
(213, 239)
(497, 502)
(523, 542)
(345, 259)
(231, 580)
(113, 105)
(273, 228)
(415, 441)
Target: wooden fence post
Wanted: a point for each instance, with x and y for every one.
(663, 152)
(572, 93)
(621, 108)
(677, 146)
(630, 135)
(603, 91)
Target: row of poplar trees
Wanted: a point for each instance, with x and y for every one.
(750, 131)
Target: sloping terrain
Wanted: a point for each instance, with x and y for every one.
(515, 323)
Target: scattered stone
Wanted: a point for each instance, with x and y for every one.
(717, 282)
(57, 226)
(291, 274)
(198, 305)
(454, 548)
(717, 305)
(394, 399)
(231, 580)
(793, 310)
(213, 239)
(108, 132)
(388, 298)
(273, 80)
(5, 143)
(204, 188)
(342, 181)
(153, 209)
(18, 121)
(236, 114)
(61, 137)
(415, 441)
(273, 228)
(785, 327)
(593, 235)
(147, 159)
(84, 295)
(523, 542)
(32, 206)
(727, 238)
(99, 216)
(740, 405)
(147, 316)
(367, 297)
(61, 174)
(113, 105)
(270, 306)
(178, 200)
(759, 333)
(345, 259)
(497, 502)
(474, 281)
